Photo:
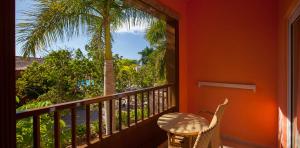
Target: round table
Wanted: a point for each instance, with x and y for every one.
(182, 124)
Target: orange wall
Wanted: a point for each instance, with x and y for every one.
(242, 42)
(235, 41)
(286, 9)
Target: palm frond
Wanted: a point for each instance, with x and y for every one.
(122, 14)
(53, 20)
(156, 33)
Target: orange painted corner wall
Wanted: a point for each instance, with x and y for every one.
(179, 7)
(235, 41)
(286, 9)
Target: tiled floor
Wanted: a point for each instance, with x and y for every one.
(226, 144)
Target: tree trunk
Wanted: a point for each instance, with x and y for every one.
(109, 88)
(109, 80)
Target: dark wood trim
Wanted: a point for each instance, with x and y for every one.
(73, 127)
(7, 74)
(154, 8)
(135, 109)
(110, 130)
(36, 132)
(167, 97)
(177, 82)
(57, 130)
(100, 120)
(142, 105)
(172, 58)
(120, 114)
(153, 97)
(158, 101)
(294, 79)
(148, 104)
(88, 123)
(128, 110)
(163, 99)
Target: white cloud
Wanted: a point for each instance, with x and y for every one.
(135, 29)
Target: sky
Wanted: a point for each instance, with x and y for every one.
(127, 42)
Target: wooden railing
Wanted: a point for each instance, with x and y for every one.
(160, 97)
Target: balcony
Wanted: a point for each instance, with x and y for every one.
(240, 42)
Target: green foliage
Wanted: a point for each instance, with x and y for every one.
(156, 33)
(24, 132)
(34, 104)
(126, 73)
(153, 72)
(132, 116)
(32, 83)
(145, 55)
(17, 99)
(156, 60)
(57, 78)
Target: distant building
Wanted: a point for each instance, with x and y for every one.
(22, 63)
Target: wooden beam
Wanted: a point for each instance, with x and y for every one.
(7, 74)
(154, 8)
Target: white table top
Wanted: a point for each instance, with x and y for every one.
(184, 124)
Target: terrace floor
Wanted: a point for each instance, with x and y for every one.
(227, 144)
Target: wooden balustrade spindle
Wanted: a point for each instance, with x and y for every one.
(128, 111)
(120, 114)
(73, 126)
(163, 99)
(100, 120)
(153, 101)
(142, 105)
(56, 129)
(167, 93)
(171, 101)
(158, 101)
(87, 121)
(148, 104)
(110, 117)
(36, 131)
(135, 108)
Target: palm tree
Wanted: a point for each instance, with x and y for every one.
(145, 53)
(156, 36)
(64, 19)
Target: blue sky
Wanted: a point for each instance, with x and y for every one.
(127, 42)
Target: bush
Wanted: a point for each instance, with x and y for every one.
(24, 128)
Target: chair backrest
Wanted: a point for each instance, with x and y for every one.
(204, 137)
(220, 109)
(216, 138)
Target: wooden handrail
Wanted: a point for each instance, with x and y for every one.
(73, 104)
(143, 94)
